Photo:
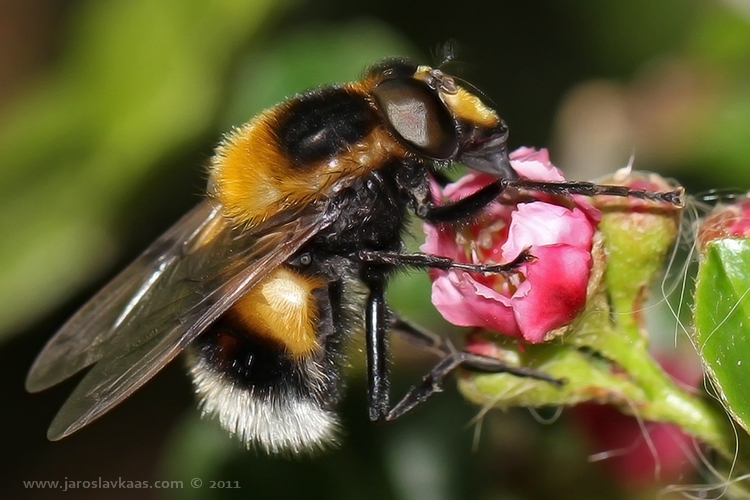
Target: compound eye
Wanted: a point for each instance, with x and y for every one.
(416, 113)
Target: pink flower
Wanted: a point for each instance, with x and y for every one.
(633, 454)
(637, 454)
(740, 228)
(726, 221)
(539, 296)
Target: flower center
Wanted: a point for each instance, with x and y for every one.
(482, 243)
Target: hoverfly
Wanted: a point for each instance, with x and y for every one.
(287, 257)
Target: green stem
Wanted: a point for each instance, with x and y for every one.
(664, 401)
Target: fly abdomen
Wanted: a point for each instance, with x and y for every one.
(261, 369)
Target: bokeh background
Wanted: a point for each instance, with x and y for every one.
(109, 112)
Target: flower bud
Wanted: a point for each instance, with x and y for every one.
(637, 236)
(726, 221)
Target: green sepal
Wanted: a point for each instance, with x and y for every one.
(585, 377)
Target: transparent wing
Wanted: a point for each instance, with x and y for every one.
(138, 323)
(82, 340)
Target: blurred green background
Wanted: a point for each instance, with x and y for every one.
(109, 112)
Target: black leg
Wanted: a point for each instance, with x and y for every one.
(475, 202)
(436, 262)
(377, 351)
(420, 337)
(451, 359)
(432, 382)
(436, 343)
(673, 197)
(461, 209)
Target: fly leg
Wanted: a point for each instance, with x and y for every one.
(436, 262)
(377, 327)
(472, 204)
(451, 360)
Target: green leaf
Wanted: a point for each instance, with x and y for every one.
(722, 322)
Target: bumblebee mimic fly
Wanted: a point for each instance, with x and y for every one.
(288, 256)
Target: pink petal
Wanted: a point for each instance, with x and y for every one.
(532, 164)
(465, 302)
(556, 290)
(467, 184)
(436, 190)
(538, 223)
(441, 240)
